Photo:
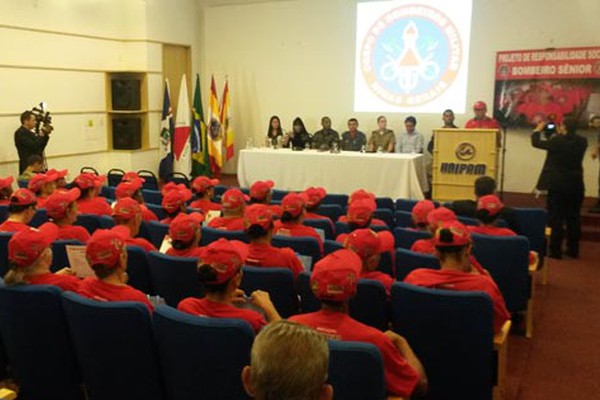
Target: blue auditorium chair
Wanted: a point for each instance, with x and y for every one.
(138, 270)
(307, 246)
(278, 282)
(407, 261)
(92, 222)
(405, 238)
(59, 253)
(152, 196)
(332, 211)
(174, 278)
(324, 225)
(157, 231)
(403, 219)
(210, 235)
(4, 239)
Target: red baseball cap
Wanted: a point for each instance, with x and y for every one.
(87, 180)
(313, 196)
(174, 198)
(26, 246)
(132, 176)
(202, 183)
(360, 194)
(363, 242)
(128, 188)
(441, 214)
(451, 233)
(225, 257)
(23, 197)
(38, 180)
(126, 208)
(233, 198)
(420, 211)
(172, 186)
(335, 277)
(185, 226)
(292, 203)
(491, 203)
(104, 247)
(360, 211)
(6, 182)
(60, 174)
(479, 105)
(258, 214)
(58, 202)
(260, 189)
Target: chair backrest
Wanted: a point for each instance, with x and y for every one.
(329, 246)
(405, 204)
(333, 211)
(157, 231)
(339, 199)
(178, 178)
(150, 180)
(115, 348)
(386, 264)
(308, 301)
(322, 224)
(174, 278)
(405, 238)
(403, 219)
(39, 218)
(386, 215)
(59, 253)
(385, 202)
(278, 282)
(307, 246)
(533, 222)
(3, 212)
(356, 371)
(108, 192)
(468, 220)
(157, 210)
(36, 339)
(219, 190)
(370, 305)
(152, 196)
(88, 170)
(201, 358)
(209, 235)
(4, 239)
(114, 176)
(507, 260)
(341, 227)
(407, 261)
(278, 194)
(22, 183)
(138, 270)
(91, 222)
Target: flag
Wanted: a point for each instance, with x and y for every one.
(225, 122)
(215, 133)
(165, 153)
(200, 163)
(182, 151)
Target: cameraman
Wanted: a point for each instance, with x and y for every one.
(27, 141)
(565, 183)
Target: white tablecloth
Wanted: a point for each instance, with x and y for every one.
(385, 174)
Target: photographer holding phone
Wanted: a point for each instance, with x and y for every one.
(30, 139)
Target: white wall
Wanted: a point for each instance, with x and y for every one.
(296, 58)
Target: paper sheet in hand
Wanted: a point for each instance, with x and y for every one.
(78, 262)
(166, 244)
(209, 216)
(306, 261)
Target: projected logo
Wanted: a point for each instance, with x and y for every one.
(411, 55)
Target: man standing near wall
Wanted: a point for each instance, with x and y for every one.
(28, 142)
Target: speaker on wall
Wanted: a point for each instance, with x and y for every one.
(126, 93)
(127, 133)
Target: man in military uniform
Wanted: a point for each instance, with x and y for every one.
(326, 137)
(353, 139)
(382, 139)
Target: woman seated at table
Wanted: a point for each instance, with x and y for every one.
(299, 136)
(275, 132)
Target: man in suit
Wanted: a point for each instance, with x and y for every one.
(565, 184)
(29, 143)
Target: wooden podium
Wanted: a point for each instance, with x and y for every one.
(460, 156)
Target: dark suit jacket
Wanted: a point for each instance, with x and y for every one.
(28, 144)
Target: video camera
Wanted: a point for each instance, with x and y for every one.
(43, 119)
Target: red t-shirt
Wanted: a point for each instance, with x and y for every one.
(228, 224)
(96, 205)
(484, 123)
(208, 308)
(71, 232)
(297, 230)
(96, 289)
(400, 377)
(41, 201)
(65, 282)
(13, 226)
(462, 281)
(374, 221)
(265, 255)
(206, 205)
(147, 214)
(491, 230)
(382, 277)
(124, 232)
(191, 252)
(424, 246)
(4, 202)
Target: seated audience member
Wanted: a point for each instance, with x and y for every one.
(290, 223)
(420, 212)
(410, 141)
(313, 196)
(6, 190)
(61, 181)
(258, 222)
(288, 361)
(233, 202)
(61, 209)
(369, 245)
(30, 258)
(35, 165)
(204, 189)
(185, 232)
(453, 247)
(334, 281)
(107, 255)
(353, 139)
(132, 188)
(220, 272)
(127, 215)
(275, 133)
(42, 185)
(132, 176)
(21, 210)
(435, 218)
(89, 201)
(382, 139)
(488, 212)
(360, 215)
(298, 138)
(261, 192)
(174, 201)
(325, 138)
